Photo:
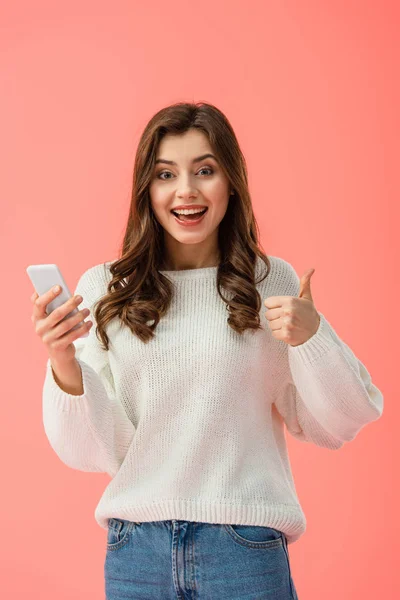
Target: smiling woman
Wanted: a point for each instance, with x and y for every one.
(189, 420)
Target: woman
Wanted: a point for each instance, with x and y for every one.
(204, 349)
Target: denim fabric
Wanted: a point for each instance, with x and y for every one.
(187, 560)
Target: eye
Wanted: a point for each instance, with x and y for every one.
(207, 169)
(202, 169)
(163, 173)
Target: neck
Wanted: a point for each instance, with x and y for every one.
(184, 265)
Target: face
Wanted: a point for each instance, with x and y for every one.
(189, 182)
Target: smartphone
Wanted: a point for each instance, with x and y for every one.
(43, 278)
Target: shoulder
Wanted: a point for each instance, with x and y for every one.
(100, 272)
(93, 282)
(282, 279)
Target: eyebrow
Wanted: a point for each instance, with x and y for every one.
(195, 160)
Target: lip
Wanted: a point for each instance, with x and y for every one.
(190, 223)
(188, 206)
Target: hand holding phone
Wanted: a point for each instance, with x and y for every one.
(57, 320)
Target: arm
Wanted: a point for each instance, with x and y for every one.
(89, 432)
(68, 377)
(325, 393)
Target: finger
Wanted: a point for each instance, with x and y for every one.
(75, 334)
(276, 325)
(273, 313)
(63, 328)
(276, 301)
(40, 303)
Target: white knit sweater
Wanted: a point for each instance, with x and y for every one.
(191, 425)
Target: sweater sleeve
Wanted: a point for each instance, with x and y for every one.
(326, 395)
(90, 432)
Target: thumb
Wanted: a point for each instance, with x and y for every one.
(305, 285)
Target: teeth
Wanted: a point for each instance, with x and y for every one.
(187, 211)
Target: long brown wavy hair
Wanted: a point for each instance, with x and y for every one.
(138, 292)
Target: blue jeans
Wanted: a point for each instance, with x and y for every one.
(188, 560)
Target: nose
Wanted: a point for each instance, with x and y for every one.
(185, 189)
(187, 194)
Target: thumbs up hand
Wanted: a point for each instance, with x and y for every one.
(293, 320)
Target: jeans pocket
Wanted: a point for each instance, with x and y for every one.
(292, 586)
(118, 533)
(255, 536)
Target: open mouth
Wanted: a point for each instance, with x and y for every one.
(193, 217)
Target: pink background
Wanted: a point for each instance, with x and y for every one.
(312, 91)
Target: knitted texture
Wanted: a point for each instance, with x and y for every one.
(191, 425)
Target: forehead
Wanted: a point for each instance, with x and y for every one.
(187, 145)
